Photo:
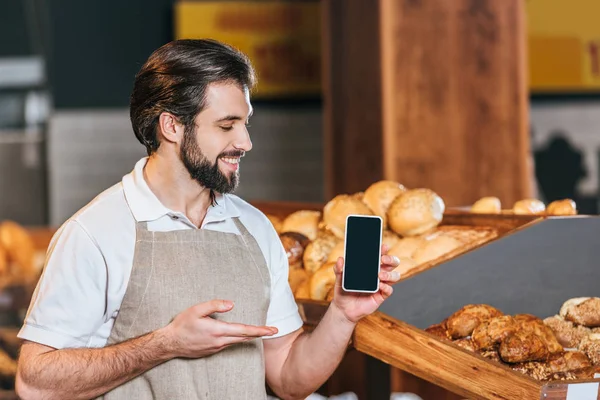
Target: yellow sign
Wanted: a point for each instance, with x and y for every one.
(564, 45)
(281, 38)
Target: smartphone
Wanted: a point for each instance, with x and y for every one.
(362, 254)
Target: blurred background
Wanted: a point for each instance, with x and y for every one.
(67, 68)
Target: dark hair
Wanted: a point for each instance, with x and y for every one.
(174, 79)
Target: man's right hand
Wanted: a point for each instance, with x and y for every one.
(193, 333)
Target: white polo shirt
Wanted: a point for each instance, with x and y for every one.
(89, 262)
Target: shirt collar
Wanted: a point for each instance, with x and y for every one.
(145, 206)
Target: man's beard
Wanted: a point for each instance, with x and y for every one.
(203, 171)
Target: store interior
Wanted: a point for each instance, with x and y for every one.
(490, 108)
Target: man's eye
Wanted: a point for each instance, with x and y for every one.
(226, 128)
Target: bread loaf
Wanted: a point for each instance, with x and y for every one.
(567, 333)
(529, 207)
(415, 212)
(380, 195)
(590, 345)
(294, 244)
(322, 281)
(583, 311)
(462, 323)
(562, 207)
(337, 210)
(317, 251)
(305, 222)
(489, 334)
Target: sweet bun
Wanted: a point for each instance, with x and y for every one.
(322, 281)
(338, 208)
(406, 247)
(20, 249)
(317, 251)
(294, 244)
(529, 207)
(487, 205)
(296, 278)
(275, 221)
(435, 248)
(380, 195)
(562, 207)
(305, 222)
(416, 211)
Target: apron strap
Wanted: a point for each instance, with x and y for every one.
(243, 231)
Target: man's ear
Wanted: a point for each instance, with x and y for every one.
(169, 128)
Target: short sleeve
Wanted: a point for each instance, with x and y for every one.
(283, 310)
(69, 303)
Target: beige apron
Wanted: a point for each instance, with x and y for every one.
(176, 270)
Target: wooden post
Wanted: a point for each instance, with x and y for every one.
(430, 93)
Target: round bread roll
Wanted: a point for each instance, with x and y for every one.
(296, 277)
(275, 221)
(305, 222)
(582, 310)
(487, 205)
(435, 248)
(322, 281)
(390, 239)
(529, 207)
(380, 195)
(562, 207)
(336, 252)
(590, 345)
(336, 211)
(406, 247)
(20, 249)
(359, 196)
(303, 291)
(317, 251)
(294, 244)
(415, 212)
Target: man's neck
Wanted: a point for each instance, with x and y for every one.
(172, 185)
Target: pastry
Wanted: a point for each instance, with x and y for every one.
(20, 250)
(438, 330)
(305, 222)
(337, 210)
(537, 327)
(406, 247)
(522, 346)
(317, 251)
(322, 281)
(464, 321)
(489, 334)
(582, 310)
(336, 252)
(294, 244)
(529, 207)
(567, 333)
(435, 248)
(562, 207)
(390, 239)
(487, 205)
(590, 345)
(380, 195)
(415, 212)
(465, 343)
(303, 291)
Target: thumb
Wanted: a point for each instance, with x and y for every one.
(337, 268)
(213, 306)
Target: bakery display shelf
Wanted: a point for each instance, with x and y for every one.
(534, 270)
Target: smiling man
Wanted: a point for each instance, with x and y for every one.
(167, 286)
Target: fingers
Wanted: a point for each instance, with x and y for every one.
(389, 276)
(386, 290)
(211, 307)
(337, 268)
(244, 331)
(388, 261)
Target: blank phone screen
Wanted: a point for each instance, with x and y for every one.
(361, 264)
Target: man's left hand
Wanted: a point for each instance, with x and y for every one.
(355, 306)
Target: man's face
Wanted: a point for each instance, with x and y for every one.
(212, 150)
